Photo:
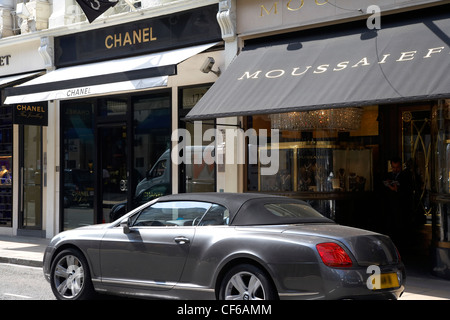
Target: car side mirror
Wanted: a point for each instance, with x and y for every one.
(125, 224)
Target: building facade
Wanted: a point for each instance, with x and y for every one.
(343, 96)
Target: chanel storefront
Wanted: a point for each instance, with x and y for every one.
(21, 128)
(115, 96)
(344, 105)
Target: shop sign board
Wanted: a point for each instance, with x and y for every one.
(34, 114)
(271, 15)
(177, 30)
(21, 58)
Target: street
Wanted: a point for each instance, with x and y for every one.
(23, 283)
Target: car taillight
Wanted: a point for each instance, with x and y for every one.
(398, 255)
(333, 255)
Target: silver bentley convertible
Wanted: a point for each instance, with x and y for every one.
(224, 246)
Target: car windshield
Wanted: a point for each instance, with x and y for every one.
(292, 210)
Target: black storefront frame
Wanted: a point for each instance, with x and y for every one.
(100, 122)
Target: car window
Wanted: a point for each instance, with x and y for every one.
(292, 210)
(216, 215)
(173, 213)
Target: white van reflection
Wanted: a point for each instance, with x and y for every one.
(159, 174)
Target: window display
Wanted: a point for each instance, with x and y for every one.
(5, 173)
(5, 191)
(322, 165)
(6, 139)
(319, 167)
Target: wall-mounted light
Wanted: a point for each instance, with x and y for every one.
(207, 66)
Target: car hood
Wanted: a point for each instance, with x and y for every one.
(366, 246)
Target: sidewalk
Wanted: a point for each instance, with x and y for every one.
(26, 251)
(420, 284)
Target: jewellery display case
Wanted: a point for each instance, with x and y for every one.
(5, 191)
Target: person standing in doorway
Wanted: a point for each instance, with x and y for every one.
(400, 200)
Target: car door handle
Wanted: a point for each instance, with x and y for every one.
(181, 240)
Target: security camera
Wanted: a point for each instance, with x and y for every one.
(22, 11)
(207, 66)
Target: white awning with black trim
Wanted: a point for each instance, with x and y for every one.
(113, 76)
(407, 60)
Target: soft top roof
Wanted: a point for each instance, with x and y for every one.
(246, 208)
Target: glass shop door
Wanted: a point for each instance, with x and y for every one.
(30, 199)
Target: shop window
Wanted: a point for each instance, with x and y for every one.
(113, 107)
(5, 166)
(152, 130)
(116, 154)
(441, 174)
(322, 155)
(5, 191)
(78, 164)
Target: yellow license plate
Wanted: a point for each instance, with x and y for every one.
(386, 281)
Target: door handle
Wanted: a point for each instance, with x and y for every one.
(181, 240)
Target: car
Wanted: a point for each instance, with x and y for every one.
(224, 246)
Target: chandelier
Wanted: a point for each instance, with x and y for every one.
(342, 119)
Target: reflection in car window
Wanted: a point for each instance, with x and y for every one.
(174, 213)
(292, 210)
(215, 216)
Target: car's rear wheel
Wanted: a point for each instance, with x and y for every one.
(70, 276)
(246, 282)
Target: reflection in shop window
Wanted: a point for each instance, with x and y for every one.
(78, 170)
(152, 129)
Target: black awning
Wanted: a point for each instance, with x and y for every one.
(405, 61)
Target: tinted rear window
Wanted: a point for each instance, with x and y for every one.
(292, 210)
(276, 210)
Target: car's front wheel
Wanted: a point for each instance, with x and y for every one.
(70, 276)
(246, 282)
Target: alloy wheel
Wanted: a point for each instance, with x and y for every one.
(69, 277)
(245, 286)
